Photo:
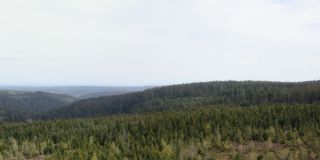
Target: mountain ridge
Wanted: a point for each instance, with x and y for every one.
(241, 93)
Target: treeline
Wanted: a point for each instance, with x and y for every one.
(245, 93)
(18, 105)
(221, 132)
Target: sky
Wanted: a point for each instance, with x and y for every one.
(158, 42)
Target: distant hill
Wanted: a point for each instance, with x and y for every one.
(244, 93)
(80, 92)
(16, 105)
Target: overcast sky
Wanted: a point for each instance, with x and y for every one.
(156, 42)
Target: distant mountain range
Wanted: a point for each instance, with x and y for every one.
(80, 92)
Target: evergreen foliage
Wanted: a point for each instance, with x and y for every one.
(217, 132)
(18, 105)
(246, 93)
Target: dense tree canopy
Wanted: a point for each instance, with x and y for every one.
(17, 105)
(264, 132)
(244, 93)
(214, 120)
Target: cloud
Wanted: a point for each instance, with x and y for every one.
(313, 63)
(146, 42)
(8, 59)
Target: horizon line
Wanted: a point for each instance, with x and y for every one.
(145, 85)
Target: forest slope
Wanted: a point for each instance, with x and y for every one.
(264, 132)
(244, 93)
(15, 105)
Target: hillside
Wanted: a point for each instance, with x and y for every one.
(15, 105)
(244, 93)
(224, 133)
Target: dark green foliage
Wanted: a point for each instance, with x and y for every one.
(214, 120)
(197, 133)
(16, 105)
(246, 93)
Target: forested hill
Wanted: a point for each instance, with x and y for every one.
(16, 105)
(239, 133)
(244, 93)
